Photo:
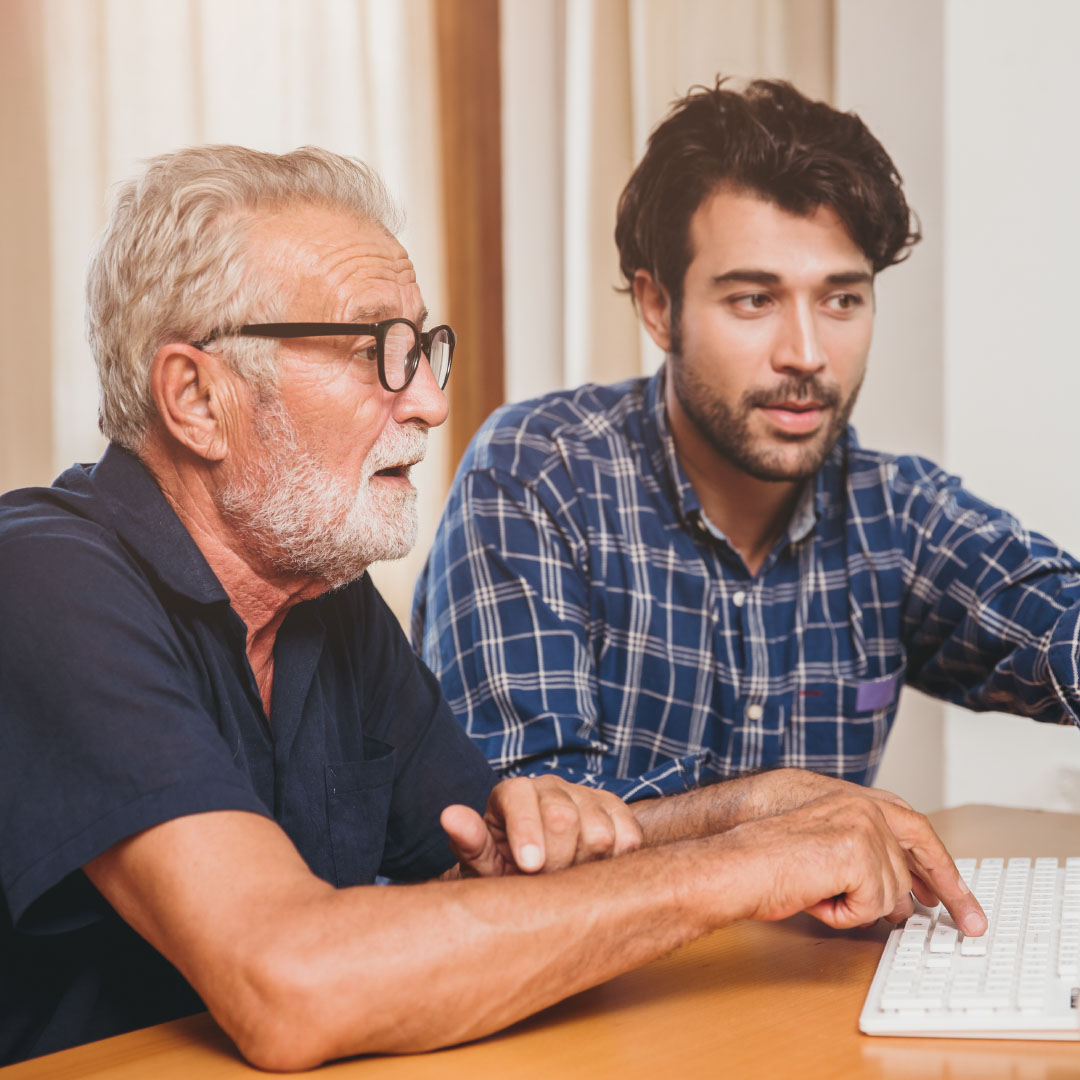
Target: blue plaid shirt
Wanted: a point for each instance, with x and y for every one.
(585, 618)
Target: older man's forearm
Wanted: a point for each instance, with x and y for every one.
(298, 972)
(442, 964)
(718, 807)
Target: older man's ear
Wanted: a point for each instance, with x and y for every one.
(197, 399)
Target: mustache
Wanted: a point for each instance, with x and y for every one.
(398, 444)
(794, 390)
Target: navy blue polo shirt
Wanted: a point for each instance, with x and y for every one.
(126, 700)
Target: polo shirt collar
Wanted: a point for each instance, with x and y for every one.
(144, 520)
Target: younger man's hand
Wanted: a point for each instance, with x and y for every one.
(539, 824)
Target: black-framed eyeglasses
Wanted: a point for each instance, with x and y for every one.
(398, 344)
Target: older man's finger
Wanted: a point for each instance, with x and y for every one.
(934, 872)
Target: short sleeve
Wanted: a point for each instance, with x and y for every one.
(102, 733)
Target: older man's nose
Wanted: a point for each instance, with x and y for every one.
(422, 399)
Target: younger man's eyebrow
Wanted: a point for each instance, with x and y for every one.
(767, 277)
(751, 277)
(850, 277)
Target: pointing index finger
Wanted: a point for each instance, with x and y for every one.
(934, 868)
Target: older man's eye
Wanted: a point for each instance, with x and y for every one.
(366, 349)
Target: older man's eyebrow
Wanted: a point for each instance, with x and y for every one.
(378, 314)
(367, 314)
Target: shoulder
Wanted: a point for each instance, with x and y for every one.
(915, 489)
(53, 535)
(901, 472)
(64, 507)
(528, 438)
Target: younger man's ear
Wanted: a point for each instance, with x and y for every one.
(191, 389)
(655, 307)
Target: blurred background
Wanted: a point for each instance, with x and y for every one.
(506, 131)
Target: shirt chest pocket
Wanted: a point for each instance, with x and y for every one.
(358, 795)
(843, 722)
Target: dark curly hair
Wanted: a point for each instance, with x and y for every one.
(771, 140)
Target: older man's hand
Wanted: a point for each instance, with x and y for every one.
(541, 824)
(777, 791)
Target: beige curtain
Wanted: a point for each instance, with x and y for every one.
(584, 81)
(25, 309)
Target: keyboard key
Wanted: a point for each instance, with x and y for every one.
(943, 939)
(973, 946)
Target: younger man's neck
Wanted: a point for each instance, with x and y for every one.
(751, 513)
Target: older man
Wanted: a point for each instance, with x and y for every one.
(214, 735)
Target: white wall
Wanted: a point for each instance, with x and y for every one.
(1012, 377)
(975, 359)
(889, 70)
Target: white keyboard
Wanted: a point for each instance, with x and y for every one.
(1020, 980)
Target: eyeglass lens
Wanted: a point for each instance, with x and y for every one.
(400, 352)
(439, 357)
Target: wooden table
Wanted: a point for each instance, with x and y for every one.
(753, 1001)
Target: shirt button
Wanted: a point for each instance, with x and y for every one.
(754, 712)
(739, 598)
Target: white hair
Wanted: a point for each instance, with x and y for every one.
(170, 265)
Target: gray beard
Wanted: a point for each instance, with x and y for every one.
(299, 520)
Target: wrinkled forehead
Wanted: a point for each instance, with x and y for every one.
(331, 259)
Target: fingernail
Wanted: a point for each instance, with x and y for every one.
(962, 885)
(972, 924)
(531, 857)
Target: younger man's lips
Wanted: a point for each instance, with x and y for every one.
(795, 418)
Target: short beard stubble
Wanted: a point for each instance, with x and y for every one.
(727, 429)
